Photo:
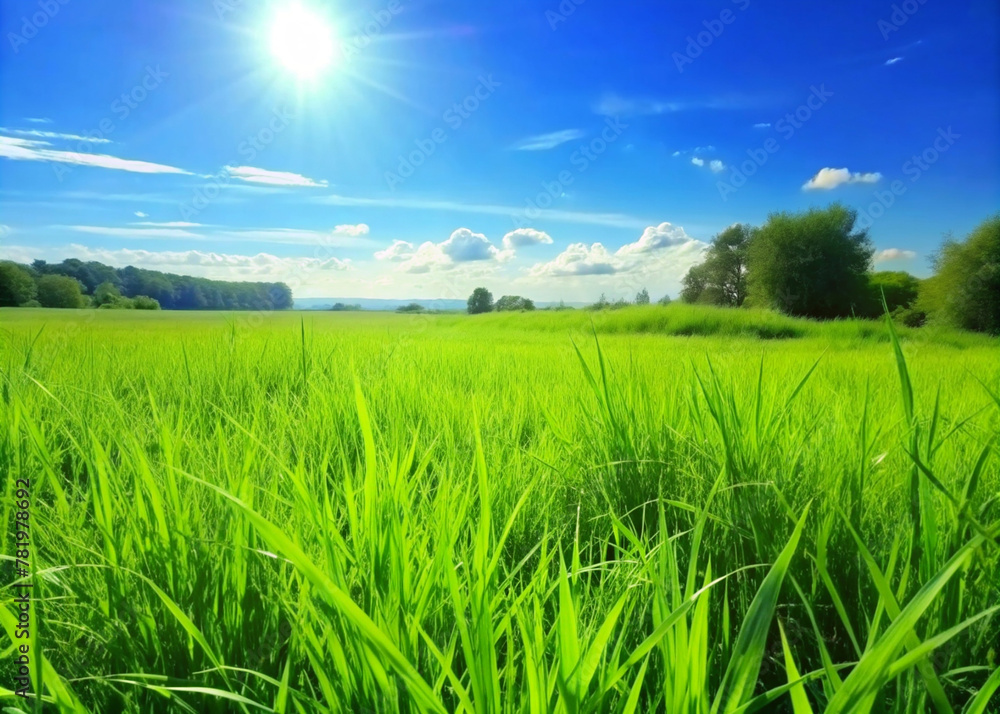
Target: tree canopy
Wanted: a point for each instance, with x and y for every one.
(480, 301)
(965, 288)
(17, 285)
(514, 303)
(60, 291)
(722, 278)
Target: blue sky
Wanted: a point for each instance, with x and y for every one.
(555, 150)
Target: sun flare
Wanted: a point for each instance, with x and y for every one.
(302, 40)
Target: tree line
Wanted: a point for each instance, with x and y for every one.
(817, 264)
(74, 284)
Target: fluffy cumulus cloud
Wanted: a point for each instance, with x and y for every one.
(894, 254)
(579, 259)
(524, 237)
(252, 174)
(698, 162)
(658, 245)
(826, 179)
(717, 166)
(463, 246)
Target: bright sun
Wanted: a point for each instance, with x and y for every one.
(302, 40)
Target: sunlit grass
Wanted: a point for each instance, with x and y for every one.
(357, 512)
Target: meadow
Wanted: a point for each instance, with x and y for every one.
(659, 509)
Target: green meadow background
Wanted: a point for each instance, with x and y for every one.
(655, 509)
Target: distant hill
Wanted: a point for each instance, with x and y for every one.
(382, 305)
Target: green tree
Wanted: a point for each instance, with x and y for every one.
(965, 288)
(106, 293)
(900, 290)
(17, 286)
(811, 264)
(513, 303)
(480, 301)
(60, 291)
(144, 302)
(722, 278)
(642, 297)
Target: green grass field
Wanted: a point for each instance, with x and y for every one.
(674, 510)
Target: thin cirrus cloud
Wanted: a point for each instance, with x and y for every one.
(39, 134)
(544, 142)
(894, 254)
(826, 179)
(252, 174)
(894, 60)
(36, 150)
(615, 105)
(340, 237)
(615, 220)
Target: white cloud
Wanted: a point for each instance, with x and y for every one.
(38, 134)
(525, 236)
(655, 238)
(463, 245)
(762, 125)
(398, 251)
(698, 162)
(341, 236)
(543, 142)
(251, 174)
(827, 179)
(578, 259)
(201, 263)
(717, 166)
(894, 60)
(427, 257)
(38, 120)
(657, 245)
(894, 254)
(676, 153)
(31, 150)
(614, 220)
(140, 214)
(4, 230)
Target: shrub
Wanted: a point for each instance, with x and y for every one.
(144, 302)
(60, 291)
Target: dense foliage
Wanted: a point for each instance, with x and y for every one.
(965, 289)
(101, 285)
(722, 278)
(480, 301)
(514, 303)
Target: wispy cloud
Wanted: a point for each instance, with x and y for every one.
(826, 179)
(615, 105)
(38, 120)
(251, 174)
(38, 134)
(893, 61)
(544, 142)
(762, 125)
(341, 236)
(716, 166)
(614, 220)
(894, 254)
(32, 150)
(140, 214)
(698, 162)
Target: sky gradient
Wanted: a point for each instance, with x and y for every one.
(554, 150)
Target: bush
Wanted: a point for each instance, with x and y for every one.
(118, 303)
(143, 302)
(413, 307)
(31, 303)
(60, 291)
(17, 286)
(965, 289)
(514, 303)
